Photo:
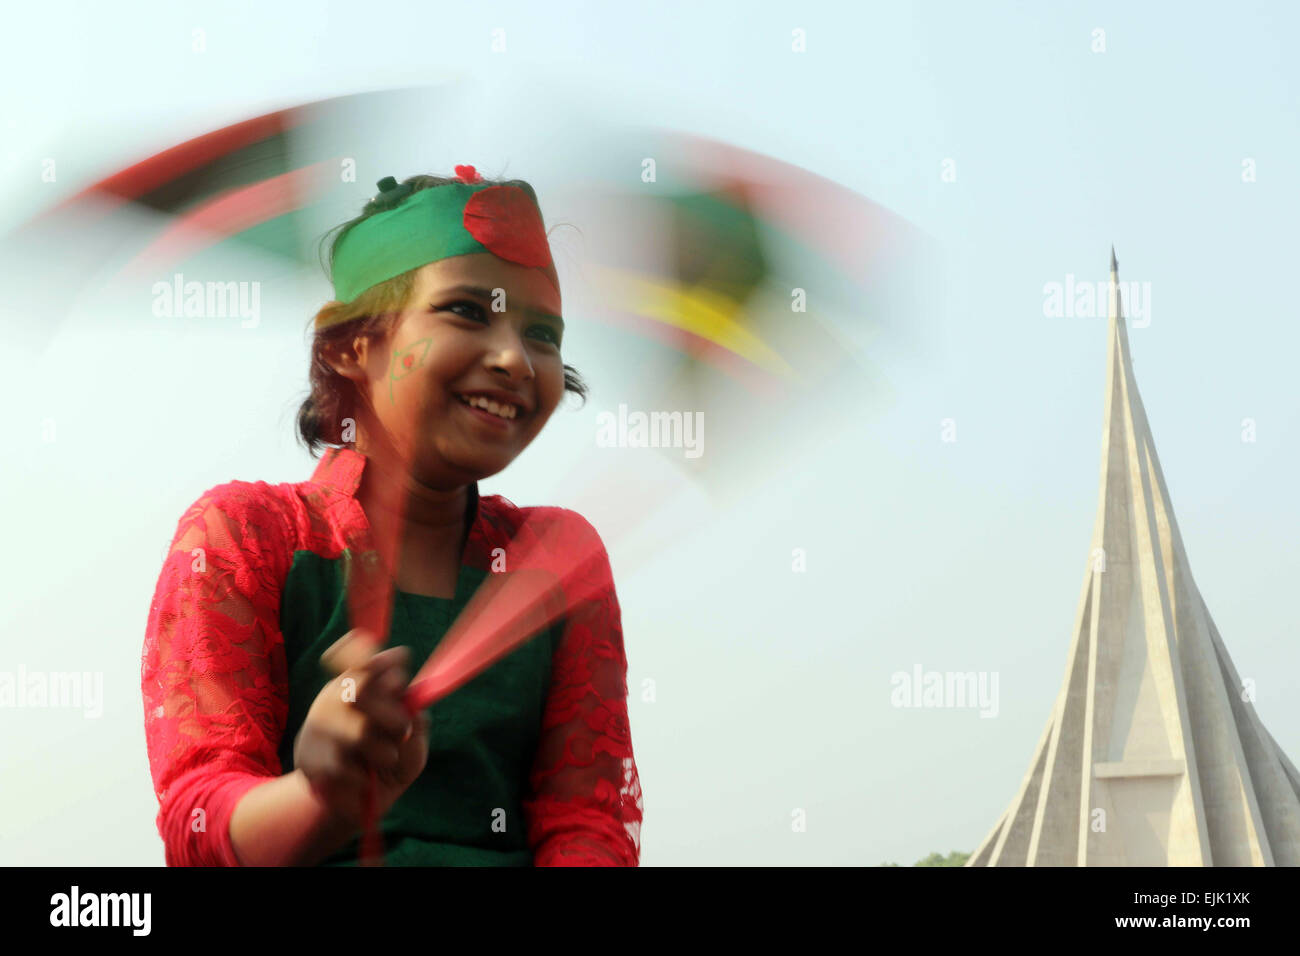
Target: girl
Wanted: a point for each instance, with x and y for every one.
(436, 365)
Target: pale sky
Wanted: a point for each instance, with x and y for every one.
(771, 688)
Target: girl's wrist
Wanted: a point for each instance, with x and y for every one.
(284, 822)
(330, 822)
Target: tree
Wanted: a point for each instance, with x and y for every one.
(955, 858)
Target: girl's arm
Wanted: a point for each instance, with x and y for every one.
(585, 801)
(214, 685)
(283, 823)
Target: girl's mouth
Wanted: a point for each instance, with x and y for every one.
(490, 418)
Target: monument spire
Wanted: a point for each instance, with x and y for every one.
(1153, 754)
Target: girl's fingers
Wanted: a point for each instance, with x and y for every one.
(419, 730)
(372, 718)
(389, 659)
(380, 751)
(376, 676)
(378, 710)
(341, 772)
(358, 655)
(353, 650)
(387, 716)
(351, 775)
(385, 676)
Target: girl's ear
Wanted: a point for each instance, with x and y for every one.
(347, 357)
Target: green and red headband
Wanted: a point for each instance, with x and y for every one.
(456, 219)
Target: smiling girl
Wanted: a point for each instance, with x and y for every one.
(437, 364)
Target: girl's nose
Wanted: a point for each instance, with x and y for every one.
(509, 355)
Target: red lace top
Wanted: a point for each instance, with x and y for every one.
(215, 687)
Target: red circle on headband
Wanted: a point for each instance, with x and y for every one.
(508, 224)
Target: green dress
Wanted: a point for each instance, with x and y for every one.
(465, 808)
(530, 761)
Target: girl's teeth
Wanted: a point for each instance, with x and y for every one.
(504, 411)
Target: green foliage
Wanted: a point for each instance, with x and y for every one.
(955, 858)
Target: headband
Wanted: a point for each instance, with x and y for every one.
(456, 219)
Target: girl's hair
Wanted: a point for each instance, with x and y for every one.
(372, 314)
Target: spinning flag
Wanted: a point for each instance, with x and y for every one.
(744, 287)
(739, 298)
(269, 187)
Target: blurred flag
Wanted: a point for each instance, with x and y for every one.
(750, 289)
(270, 186)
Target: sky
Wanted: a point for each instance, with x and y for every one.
(1002, 132)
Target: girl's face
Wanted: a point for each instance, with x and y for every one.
(449, 344)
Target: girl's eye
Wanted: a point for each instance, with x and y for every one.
(477, 309)
(551, 335)
(477, 313)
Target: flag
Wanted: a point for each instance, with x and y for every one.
(268, 188)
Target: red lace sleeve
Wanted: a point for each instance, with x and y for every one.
(585, 800)
(213, 672)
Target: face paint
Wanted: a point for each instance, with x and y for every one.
(406, 361)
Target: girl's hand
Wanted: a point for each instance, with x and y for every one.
(358, 723)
